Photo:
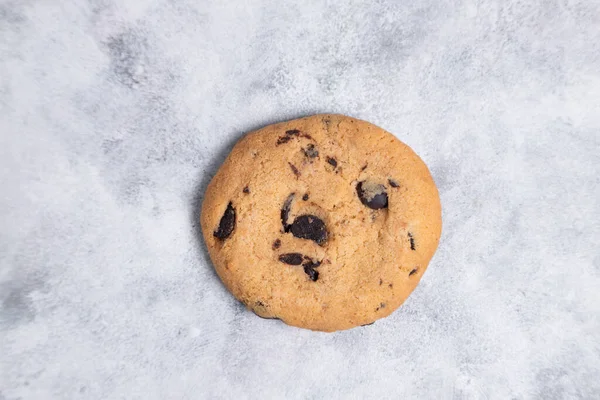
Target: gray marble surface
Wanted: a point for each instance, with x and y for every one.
(115, 114)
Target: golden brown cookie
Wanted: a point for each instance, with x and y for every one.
(325, 222)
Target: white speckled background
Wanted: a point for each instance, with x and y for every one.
(115, 114)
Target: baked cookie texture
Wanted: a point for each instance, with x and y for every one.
(325, 222)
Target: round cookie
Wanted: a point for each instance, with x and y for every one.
(325, 222)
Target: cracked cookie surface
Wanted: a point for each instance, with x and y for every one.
(325, 222)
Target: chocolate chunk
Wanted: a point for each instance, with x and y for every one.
(283, 139)
(294, 169)
(276, 244)
(292, 132)
(311, 151)
(332, 162)
(412, 241)
(372, 195)
(364, 167)
(305, 197)
(246, 190)
(312, 274)
(291, 258)
(227, 223)
(285, 212)
(380, 281)
(393, 183)
(414, 271)
(309, 268)
(309, 227)
(310, 263)
(306, 135)
(381, 305)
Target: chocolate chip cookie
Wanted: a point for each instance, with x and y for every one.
(325, 222)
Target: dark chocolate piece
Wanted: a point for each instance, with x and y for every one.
(412, 241)
(372, 195)
(291, 258)
(309, 227)
(294, 169)
(310, 263)
(285, 212)
(312, 273)
(227, 223)
(283, 139)
(309, 268)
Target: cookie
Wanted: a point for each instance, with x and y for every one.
(325, 222)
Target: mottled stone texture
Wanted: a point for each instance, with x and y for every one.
(115, 114)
